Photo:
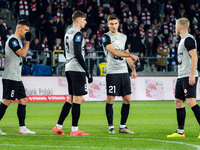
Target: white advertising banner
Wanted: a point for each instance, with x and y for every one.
(143, 88)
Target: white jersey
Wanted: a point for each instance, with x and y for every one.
(13, 62)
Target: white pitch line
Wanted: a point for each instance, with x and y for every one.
(155, 140)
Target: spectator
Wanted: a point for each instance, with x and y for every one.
(135, 41)
(61, 28)
(104, 22)
(172, 17)
(167, 27)
(22, 9)
(149, 38)
(146, 18)
(100, 13)
(90, 18)
(181, 13)
(154, 10)
(2, 61)
(9, 32)
(162, 51)
(91, 54)
(197, 10)
(121, 28)
(128, 28)
(52, 37)
(127, 14)
(135, 21)
(99, 34)
(119, 9)
(137, 8)
(47, 13)
(162, 6)
(172, 39)
(29, 68)
(142, 33)
(56, 6)
(3, 36)
(55, 21)
(156, 42)
(34, 11)
(172, 66)
(43, 6)
(168, 7)
(40, 23)
(35, 44)
(140, 64)
(66, 13)
(45, 55)
(57, 46)
(191, 13)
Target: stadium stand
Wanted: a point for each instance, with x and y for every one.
(147, 23)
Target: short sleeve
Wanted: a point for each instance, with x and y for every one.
(14, 44)
(106, 40)
(190, 43)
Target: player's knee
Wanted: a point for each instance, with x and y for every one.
(191, 102)
(126, 101)
(23, 101)
(179, 103)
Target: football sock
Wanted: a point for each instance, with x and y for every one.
(109, 114)
(22, 128)
(21, 113)
(64, 112)
(122, 126)
(124, 113)
(59, 126)
(110, 127)
(75, 114)
(196, 110)
(181, 117)
(3, 108)
(180, 131)
(74, 128)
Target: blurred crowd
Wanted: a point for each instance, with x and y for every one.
(148, 24)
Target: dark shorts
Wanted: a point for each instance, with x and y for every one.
(118, 84)
(183, 90)
(76, 83)
(13, 89)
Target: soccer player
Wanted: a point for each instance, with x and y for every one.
(76, 70)
(13, 87)
(117, 79)
(187, 76)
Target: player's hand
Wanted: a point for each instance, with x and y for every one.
(135, 58)
(134, 74)
(28, 36)
(192, 80)
(90, 79)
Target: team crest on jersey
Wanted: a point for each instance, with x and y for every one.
(14, 43)
(122, 41)
(185, 91)
(104, 39)
(78, 38)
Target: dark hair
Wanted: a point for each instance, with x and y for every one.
(23, 22)
(112, 17)
(78, 14)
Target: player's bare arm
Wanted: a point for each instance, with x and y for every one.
(130, 63)
(193, 54)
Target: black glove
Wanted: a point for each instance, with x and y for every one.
(28, 36)
(90, 79)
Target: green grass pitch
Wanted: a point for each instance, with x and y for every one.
(151, 122)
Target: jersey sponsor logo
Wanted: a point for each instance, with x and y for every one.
(78, 38)
(104, 39)
(14, 43)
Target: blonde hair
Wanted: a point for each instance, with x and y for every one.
(184, 22)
